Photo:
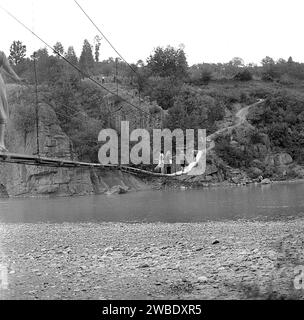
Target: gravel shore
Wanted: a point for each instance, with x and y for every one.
(211, 260)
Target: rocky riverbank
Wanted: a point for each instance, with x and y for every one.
(198, 182)
(212, 260)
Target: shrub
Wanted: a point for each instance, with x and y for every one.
(267, 77)
(255, 137)
(244, 75)
(25, 118)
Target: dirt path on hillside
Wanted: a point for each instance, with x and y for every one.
(197, 166)
(240, 118)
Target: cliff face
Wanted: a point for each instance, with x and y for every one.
(24, 180)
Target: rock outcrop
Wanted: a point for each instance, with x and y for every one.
(266, 181)
(24, 180)
(3, 191)
(278, 159)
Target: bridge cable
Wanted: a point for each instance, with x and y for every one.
(70, 63)
(67, 117)
(108, 41)
(112, 46)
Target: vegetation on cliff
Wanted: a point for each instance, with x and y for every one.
(204, 95)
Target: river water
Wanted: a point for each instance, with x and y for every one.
(267, 201)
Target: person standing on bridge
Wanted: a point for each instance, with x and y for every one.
(4, 110)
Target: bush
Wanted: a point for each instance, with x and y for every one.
(200, 77)
(154, 109)
(244, 75)
(25, 118)
(255, 137)
(234, 156)
(267, 77)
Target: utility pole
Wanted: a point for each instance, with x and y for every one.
(116, 67)
(36, 104)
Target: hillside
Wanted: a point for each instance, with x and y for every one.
(24, 180)
(249, 141)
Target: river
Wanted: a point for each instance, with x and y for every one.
(267, 201)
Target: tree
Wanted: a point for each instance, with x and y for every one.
(17, 52)
(42, 63)
(49, 68)
(267, 61)
(269, 69)
(140, 63)
(97, 40)
(252, 65)
(58, 48)
(71, 55)
(162, 89)
(193, 110)
(200, 74)
(107, 69)
(237, 62)
(244, 75)
(86, 61)
(168, 62)
(281, 61)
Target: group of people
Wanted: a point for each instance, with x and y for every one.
(4, 109)
(164, 163)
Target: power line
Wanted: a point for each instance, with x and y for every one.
(112, 46)
(67, 117)
(76, 112)
(70, 63)
(108, 41)
(70, 118)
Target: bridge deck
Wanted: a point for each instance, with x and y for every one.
(44, 161)
(34, 160)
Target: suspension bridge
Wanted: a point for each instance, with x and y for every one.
(6, 157)
(38, 160)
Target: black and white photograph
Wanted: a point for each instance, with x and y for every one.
(151, 151)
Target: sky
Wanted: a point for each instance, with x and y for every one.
(210, 30)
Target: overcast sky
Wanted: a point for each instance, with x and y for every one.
(211, 30)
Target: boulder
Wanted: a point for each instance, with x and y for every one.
(278, 159)
(260, 149)
(255, 172)
(298, 171)
(257, 163)
(211, 169)
(236, 180)
(266, 181)
(117, 190)
(48, 189)
(269, 160)
(208, 178)
(282, 159)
